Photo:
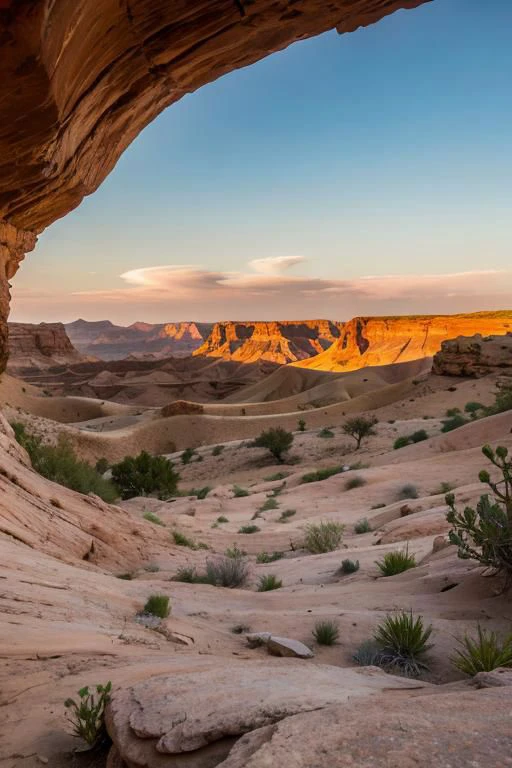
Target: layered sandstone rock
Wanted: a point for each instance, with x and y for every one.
(40, 346)
(474, 356)
(279, 342)
(366, 341)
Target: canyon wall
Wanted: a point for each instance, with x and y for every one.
(83, 84)
(278, 342)
(40, 346)
(366, 341)
(107, 341)
(474, 356)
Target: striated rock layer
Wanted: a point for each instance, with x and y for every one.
(368, 341)
(279, 342)
(474, 356)
(83, 84)
(40, 346)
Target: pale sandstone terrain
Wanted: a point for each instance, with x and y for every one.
(68, 620)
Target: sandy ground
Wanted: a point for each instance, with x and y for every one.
(66, 619)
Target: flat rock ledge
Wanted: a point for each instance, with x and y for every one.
(223, 714)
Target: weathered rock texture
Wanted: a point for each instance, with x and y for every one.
(474, 356)
(279, 342)
(384, 340)
(40, 346)
(113, 342)
(83, 84)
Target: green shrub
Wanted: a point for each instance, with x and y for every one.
(418, 436)
(473, 407)
(323, 537)
(187, 575)
(102, 466)
(396, 562)
(60, 464)
(218, 450)
(368, 654)
(362, 526)
(321, 474)
(266, 557)
(404, 643)
(186, 456)
(183, 541)
(286, 514)
(400, 442)
(152, 518)
(202, 493)
(483, 654)
(443, 488)
(359, 428)
(326, 632)
(301, 425)
(485, 534)
(239, 492)
(227, 572)
(157, 605)
(349, 566)
(268, 505)
(408, 491)
(234, 552)
(222, 519)
(276, 476)
(502, 402)
(453, 412)
(276, 440)
(268, 582)
(354, 482)
(249, 529)
(88, 716)
(325, 432)
(144, 474)
(454, 423)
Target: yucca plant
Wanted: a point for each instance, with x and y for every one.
(396, 562)
(404, 643)
(483, 654)
(326, 632)
(88, 716)
(268, 582)
(323, 537)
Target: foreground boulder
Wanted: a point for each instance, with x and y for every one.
(474, 356)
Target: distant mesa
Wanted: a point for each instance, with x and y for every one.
(41, 346)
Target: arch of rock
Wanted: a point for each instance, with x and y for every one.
(81, 78)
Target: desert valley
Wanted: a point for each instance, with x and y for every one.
(255, 384)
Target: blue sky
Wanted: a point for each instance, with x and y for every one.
(367, 173)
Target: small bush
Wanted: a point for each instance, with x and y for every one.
(202, 493)
(152, 518)
(321, 474)
(301, 425)
(368, 654)
(152, 568)
(326, 432)
(238, 492)
(249, 529)
(144, 474)
(326, 632)
(222, 519)
(349, 566)
(323, 537)
(187, 575)
(452, 412)
(454, 423)
(183, 541)
(157, 605)
(485, 534)
(276, 440)
(443, 488)
(102, 466)
(502, 403)
(276, 476)
(234, 552)
(404, 643)
(286, 514)
(268, 582)
(186, 456)
(268, 505)
(60, 464)
(88, 716)
(354, 482)
(418, 436)
(217, 450)
(473, 407)
(396, 562)
(483, 654)
(227, 572)
(266, 557)
(359, 428)
(362, 526)
(400, 442)
(408, 491)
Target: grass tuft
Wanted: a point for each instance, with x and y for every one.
(396, 562)
(268, 582)
(362, 526)
(158, 605)
(483, 654)
(323, 537)
(326, 632)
